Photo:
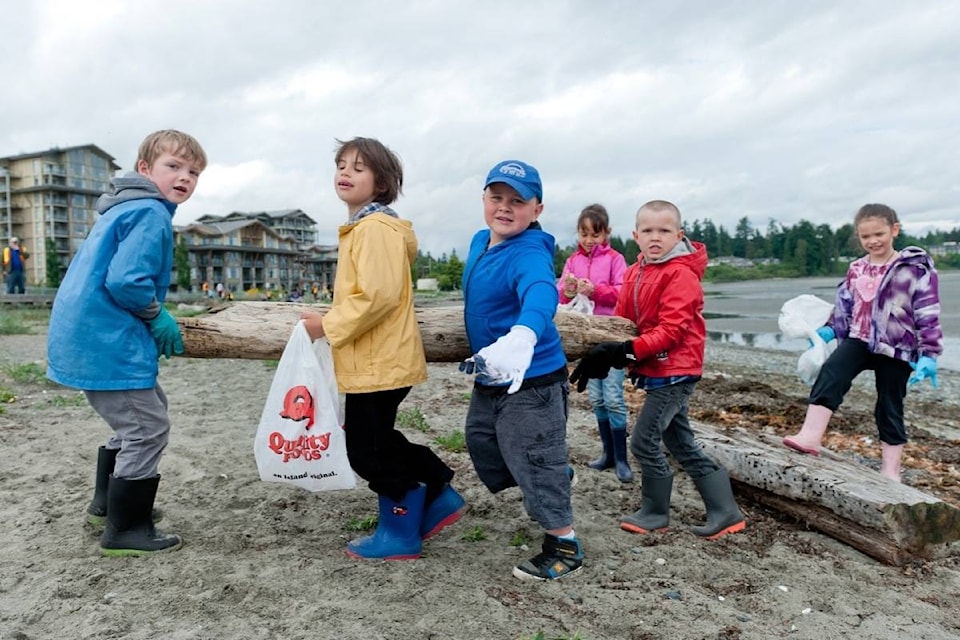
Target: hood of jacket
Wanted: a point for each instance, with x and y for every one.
(916, 256)
(404, 227)
(131, 186)
(692, 255)
(598, 250)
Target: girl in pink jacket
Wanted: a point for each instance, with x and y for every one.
(595, 270)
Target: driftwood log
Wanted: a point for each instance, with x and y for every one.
(890, 522)
(260, 330)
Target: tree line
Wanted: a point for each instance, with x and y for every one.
(779, 250)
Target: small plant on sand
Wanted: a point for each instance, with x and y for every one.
(6, 397)
(28, 372)
(540, 635)
(366, 523)
(23, 320)
(77, 400)
(12, 325)
(476, 534)
(454, 441)
(412, 418)
(271, 364)
(520, 538)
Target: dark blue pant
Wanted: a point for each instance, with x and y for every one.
(16, 282)
(663, 417)
(382, 455)
(852, 357)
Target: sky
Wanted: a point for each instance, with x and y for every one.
(767, 110)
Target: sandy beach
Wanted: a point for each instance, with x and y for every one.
(267, 561)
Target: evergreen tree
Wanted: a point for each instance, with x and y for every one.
(741, 238)
(724, 242)
(560, 258)
(181, 263)
(711, 238)
(53, 264)
(454, 270)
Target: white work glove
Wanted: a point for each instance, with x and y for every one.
(506, 360)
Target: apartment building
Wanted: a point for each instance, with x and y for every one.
(243, 252)
(293, 223)
(52, 195)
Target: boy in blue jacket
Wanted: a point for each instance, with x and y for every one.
(108, 329)
(516, 425)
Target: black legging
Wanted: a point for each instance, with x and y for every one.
(382, 455)
(850, 358)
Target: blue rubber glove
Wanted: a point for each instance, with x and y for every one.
(166, 334)
(826, 333)
(925, 367)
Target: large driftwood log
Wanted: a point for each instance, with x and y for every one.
(259, 331)
(891, 522)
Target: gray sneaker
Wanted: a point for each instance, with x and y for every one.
(558, 559)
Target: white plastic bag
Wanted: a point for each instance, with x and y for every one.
(578, 304)
(300, 440)
(800, 317)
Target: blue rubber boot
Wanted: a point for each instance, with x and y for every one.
(398, 530)
(443, 511)
(605, 461)
(618, 437)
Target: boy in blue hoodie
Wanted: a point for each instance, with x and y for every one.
(108, 329)
(516, 425)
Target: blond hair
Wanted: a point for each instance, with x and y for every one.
(175, 143)
(661, 205)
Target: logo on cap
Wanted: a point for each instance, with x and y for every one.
(513, 169)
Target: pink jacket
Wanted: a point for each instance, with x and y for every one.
(604, 268)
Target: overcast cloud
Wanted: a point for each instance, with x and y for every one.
(782, 110)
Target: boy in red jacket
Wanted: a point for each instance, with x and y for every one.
(663, 295)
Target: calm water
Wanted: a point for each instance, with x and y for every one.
(745, 313)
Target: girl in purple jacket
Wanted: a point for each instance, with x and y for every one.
(886, 318)
(595, 270)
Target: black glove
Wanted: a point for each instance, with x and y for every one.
(596, 364)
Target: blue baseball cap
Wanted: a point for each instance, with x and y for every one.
(519, 175)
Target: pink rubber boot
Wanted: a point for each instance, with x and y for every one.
(890, 460)
(811, 433)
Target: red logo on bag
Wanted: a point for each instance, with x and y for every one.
(306, 447)
(298, 405)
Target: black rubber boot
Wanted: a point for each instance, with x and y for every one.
(605, 461)
(97, 509)
(723, 515)
(130, 530)
(621, 463)
(654, 513)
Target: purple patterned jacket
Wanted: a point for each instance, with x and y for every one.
(906, 312)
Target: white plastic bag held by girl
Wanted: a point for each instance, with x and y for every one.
(300, 440)
(800, 317)
(578, 304)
